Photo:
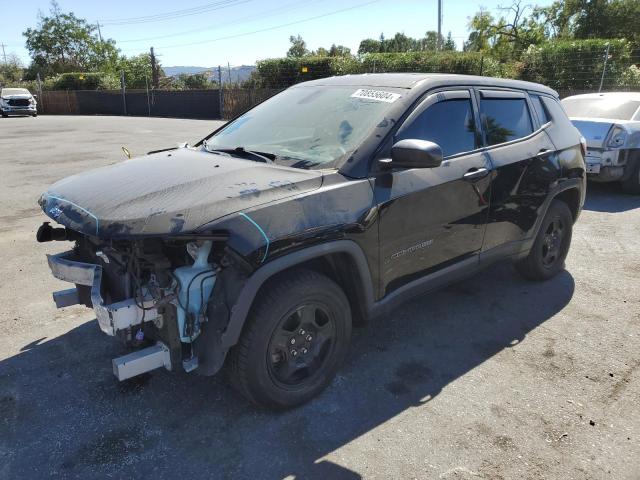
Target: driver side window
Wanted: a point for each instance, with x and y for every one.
(448, 123)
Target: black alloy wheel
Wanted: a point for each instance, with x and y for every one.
(300, 345)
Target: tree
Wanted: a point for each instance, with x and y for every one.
(481, 36)
(369, 45)
(321, 52)
(11, 71)
(449, 44)
(298, 47)
(508, 36)
(339, 51)
(584, 19)
(137, 70)
(63, 42)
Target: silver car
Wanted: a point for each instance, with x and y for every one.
(17, 101)
(610, 122)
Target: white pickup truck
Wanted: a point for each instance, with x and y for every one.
(610, 122)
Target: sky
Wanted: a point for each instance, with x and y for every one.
(240, 32)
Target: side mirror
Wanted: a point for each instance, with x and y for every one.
(413, 153)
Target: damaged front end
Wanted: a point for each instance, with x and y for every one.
(155, 294)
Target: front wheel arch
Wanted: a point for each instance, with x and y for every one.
(319, 257)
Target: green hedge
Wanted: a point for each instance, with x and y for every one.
(83, 81)
(563, 65)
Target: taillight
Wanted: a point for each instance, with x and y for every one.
(617, 138)
(583, 146)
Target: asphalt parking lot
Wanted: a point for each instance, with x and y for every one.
(492, 378)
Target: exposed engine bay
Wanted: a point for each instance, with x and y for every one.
(155, 294)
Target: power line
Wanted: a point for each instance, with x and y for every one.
(275, 27)
(176, 13)
(244, 19)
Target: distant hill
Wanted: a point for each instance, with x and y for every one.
(238, 74)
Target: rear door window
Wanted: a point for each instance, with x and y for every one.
(505, 119)
(448, 123)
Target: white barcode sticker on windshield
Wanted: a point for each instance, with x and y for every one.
(378, 95)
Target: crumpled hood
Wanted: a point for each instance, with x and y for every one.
(169, 192)
(20, 95)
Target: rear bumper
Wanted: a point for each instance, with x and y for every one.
(608, 165)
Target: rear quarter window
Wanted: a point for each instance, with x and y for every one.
(540, 109)
(505, 119)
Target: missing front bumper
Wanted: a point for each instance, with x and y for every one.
(112, 317)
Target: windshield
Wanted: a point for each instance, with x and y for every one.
(604, 107)
(308, 127)
(14, 91)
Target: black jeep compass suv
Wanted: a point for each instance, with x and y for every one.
(330, 202)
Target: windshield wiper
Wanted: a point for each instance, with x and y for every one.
(265, 157)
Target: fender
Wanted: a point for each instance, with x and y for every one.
(568, 184)
(240, 310)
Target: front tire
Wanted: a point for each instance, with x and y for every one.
(551, 246)
(296, 336)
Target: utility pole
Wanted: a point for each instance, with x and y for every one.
(99, 32)
(3, 53)
(439, 40)
(155, 80)
(220, 93)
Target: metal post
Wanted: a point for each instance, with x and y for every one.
(604, 68)
(146, 82)
(220, 100)
(40, 98)
(124, 95)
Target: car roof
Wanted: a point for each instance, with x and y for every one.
(618, 95)
(426, 81)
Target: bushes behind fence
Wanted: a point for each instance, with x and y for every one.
(563, 65)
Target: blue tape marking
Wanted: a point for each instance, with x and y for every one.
(78, 207)
(266, 251)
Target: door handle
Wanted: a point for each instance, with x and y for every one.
(544, 153)
(475, 174)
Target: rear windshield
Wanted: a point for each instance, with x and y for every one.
(604, 107)
(14, 91)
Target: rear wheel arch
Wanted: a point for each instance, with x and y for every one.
(571, 197)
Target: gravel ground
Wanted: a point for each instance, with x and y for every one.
(492, 378)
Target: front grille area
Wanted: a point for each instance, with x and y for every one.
(19, 102)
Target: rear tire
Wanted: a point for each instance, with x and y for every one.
(632, 184)
(551, 246)
(34, 115)
(295, 338)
